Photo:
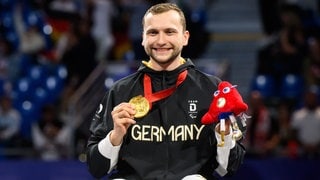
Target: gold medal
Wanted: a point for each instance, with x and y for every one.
(141, 104)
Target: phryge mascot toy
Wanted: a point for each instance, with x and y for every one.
(227, 104)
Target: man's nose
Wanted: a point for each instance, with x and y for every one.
(161, 38)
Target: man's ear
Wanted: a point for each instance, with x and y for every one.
(142, 42)
(186, 38)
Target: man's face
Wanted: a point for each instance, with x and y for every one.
(164, 37)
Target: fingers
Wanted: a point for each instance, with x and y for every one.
(123, 110)
(123, 117)
(123, 123)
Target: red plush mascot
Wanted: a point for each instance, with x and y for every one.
(226, 104)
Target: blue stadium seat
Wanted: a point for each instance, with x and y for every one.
(26, 62)
(23, 88)
(29, 113)
(40, 96)
(53, 86)
(13, 38)
(118, 70)
(108, 82)
(264, 84)
(7, 20)
(291, 86)
(37, 74)
(61, 72)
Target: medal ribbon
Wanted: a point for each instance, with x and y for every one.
(153, 97)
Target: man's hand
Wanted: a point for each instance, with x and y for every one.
(123, 118)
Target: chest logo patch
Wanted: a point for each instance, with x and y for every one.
(193, 111)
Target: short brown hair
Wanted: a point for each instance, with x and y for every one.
(165, 7)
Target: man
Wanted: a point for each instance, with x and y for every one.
(305, 125)
(148, 125)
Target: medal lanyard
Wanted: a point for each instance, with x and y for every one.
(153, 97)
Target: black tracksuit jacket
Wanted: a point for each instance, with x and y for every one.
(169, 142)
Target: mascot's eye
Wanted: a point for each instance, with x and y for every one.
(226, 90)
(216, 93)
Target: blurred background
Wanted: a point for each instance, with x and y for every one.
(59, 57)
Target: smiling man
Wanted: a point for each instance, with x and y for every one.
(163, 39)
(148, 125)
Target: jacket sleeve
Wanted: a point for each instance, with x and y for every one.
(235, 159)
(230, 156)
(98, 164)
(238, 152)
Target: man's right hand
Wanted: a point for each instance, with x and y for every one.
(123, 118)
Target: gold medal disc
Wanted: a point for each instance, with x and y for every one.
(141, 104)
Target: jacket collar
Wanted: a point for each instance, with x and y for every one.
(145, 69)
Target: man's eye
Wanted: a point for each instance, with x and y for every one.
(152, 33)
(170, 32)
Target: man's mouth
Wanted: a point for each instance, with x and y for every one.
(161, 49)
